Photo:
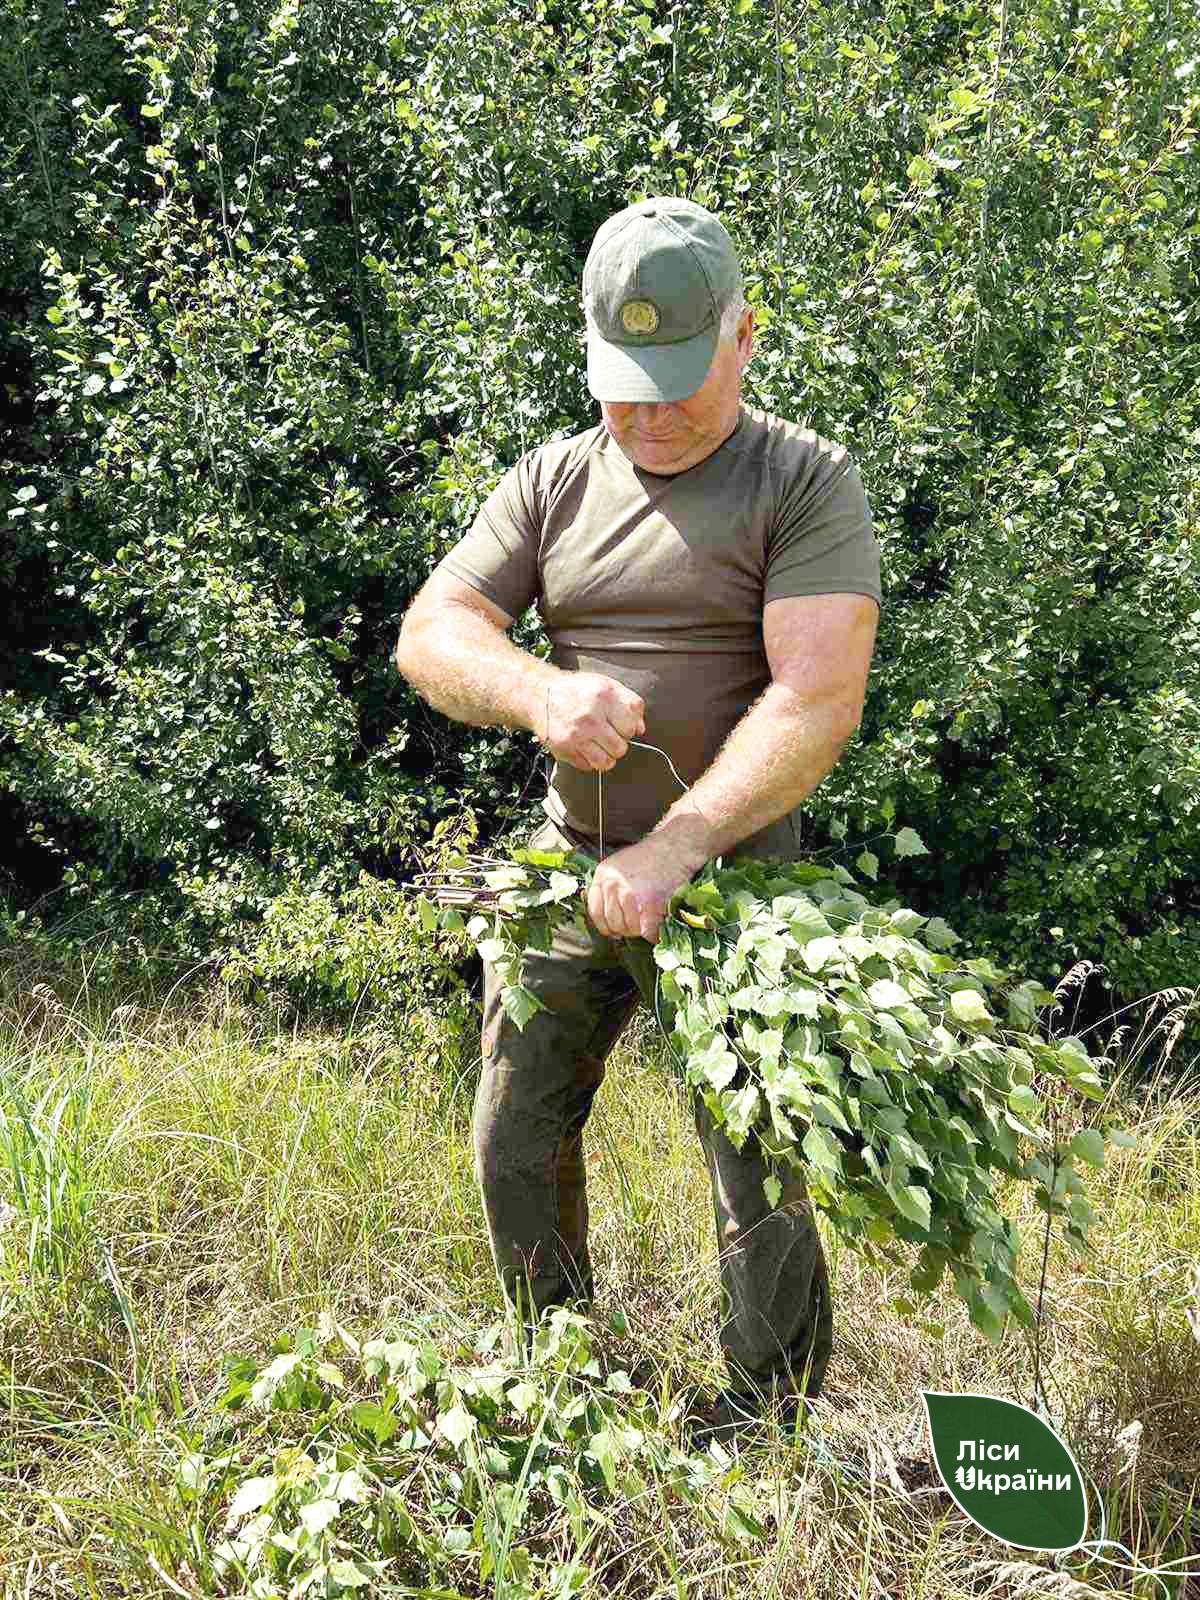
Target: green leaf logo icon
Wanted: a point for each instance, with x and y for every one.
(1011, 1473)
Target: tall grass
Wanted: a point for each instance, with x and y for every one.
(183, 1178)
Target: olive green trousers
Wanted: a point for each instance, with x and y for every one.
(535, 1092)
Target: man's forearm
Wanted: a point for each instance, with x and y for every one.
(468, 670)
(776, 755)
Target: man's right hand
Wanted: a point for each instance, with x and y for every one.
(591, 720)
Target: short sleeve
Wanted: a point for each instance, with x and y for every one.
(498, 555)
(824, 541)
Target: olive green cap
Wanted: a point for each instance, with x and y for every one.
(654, 282)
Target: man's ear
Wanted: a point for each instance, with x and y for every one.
(745, 337)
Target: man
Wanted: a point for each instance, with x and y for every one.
(709, 580)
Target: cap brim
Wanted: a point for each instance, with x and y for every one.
(649, 372)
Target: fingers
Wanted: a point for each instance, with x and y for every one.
(624, 719)
(610, 743)
(599, 759)
(620, 715)
(598, 749)
(622, 907)
(614, 906)
(628, 714)
(595, 718)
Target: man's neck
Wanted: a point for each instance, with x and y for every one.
(725, 438)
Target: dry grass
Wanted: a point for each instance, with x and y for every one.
(215, 1177)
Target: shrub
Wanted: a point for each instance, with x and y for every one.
(286, 297)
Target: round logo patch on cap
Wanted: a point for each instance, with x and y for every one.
(639, 316)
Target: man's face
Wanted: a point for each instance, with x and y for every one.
(672, 436)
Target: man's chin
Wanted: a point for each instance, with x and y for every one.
(662, 459)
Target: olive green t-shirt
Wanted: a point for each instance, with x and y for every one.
(660, 582)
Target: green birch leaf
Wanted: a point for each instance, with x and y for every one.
(886, 993)
(741, 1109)
(911, 1201)
(968, 1006)
(868, 865)
(703, 897)
(822, 1151)
(803, 1002)
(318, 1514)
(1070, 1044)
(940, 935)
(506, 878)
(771, 953)
(352, 1574)
(830, 1113)
(540, 858)
(372, 1418)
(1022, 1005)
(805, 920)
(1089, 1084)
(520, 1004)
(907, 842)
(1088, 1145)
(521, 1397)
(251, 1496)
(1025, 1103)
(818, 952)
(519, 899)
(602, 1451)
(769, 1044)
(455, 1425)
(715, 1064)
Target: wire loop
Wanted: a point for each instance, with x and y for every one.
(642, 745)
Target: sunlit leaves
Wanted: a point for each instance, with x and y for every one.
(969, 1006)
(470, 1461)
(873, 1066)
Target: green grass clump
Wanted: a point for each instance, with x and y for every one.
(187, 1185)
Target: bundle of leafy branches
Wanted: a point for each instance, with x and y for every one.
(903, 1081)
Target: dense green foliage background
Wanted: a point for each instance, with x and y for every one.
(285, 290)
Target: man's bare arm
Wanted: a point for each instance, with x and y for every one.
(819, 649)
(453, 650)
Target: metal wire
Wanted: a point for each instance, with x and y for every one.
(642, 745)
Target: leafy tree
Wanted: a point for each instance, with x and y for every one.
(286, 289)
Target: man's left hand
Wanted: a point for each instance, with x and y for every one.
(631, 888)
